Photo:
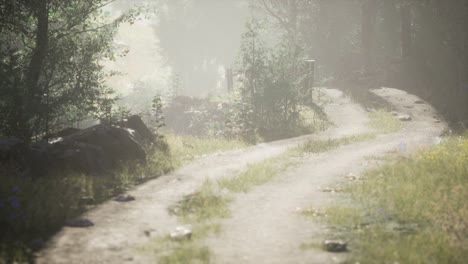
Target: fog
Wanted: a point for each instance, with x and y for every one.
(224, 131)
(192, 41)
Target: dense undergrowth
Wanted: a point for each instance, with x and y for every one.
(410, 210)
(31, 209)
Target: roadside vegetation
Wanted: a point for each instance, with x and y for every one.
(31, 209)
(381, 121)
(384, 122)
(409, 210)
(256, 174)
(186, 148)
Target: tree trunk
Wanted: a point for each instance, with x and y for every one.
(323, 28)
(369, 12)
(406, 43)
(34, 70)
(292, 19)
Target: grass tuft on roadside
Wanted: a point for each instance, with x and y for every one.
(410, 211)
(203, 205)
(211, 202)
(256, 174)
(319, 146)
(170, 251)
(384, 122)
(186, 148)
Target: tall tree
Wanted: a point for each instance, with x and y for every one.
(406, 28)
(50, 63)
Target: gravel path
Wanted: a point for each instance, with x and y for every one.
(264, 227)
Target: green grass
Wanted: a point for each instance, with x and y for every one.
(256, 174)
(170, 251)
(203, 205)
(319, 146)
(410, 211)
(384, 122)
(186, 148)
(381, 121)
(199, 209)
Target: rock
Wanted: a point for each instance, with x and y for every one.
(331, 190)
(143, 134)
(149, 232)
(36, 244)
(351, 176)
(181, 232)
(87, 201)
(93, 150)
(79, 222)
(404, 118)
(419, 102)
(335, 246)
(174, 210)
(124, 198)
(64, 132)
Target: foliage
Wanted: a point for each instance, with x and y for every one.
(201, 117)
(50, 71)
(267, 103)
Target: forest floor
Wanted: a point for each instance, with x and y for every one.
(264, 223)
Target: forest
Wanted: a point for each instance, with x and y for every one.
(161, 131)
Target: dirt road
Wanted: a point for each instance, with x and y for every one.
(264, 227)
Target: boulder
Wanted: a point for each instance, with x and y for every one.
(404, 118)
(64, 132)
(181, 233)
(139, 130)
(335, 246)
(79, 222)
(123, 198)
(95, 150)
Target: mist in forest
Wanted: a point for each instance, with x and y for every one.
(100, 96)
(191, 43)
